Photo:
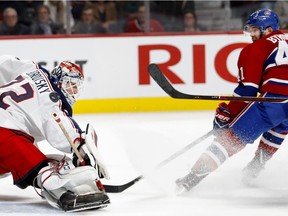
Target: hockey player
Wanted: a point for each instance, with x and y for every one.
(28, 105)
(263, 68)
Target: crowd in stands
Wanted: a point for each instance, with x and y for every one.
(49, 17)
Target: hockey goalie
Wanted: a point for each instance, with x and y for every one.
(29, 97)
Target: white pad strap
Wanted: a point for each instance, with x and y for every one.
(91, 144)
(58, 178)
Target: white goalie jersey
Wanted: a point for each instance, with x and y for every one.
(28, 101)
(11, 67)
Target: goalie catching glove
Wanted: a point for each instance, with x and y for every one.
(90, 154)
(222, 117)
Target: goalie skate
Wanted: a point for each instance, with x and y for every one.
(71, 202)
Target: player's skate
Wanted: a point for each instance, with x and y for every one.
(72, 188)
(252, 171)
(189, 181)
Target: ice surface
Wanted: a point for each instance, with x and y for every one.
(134, 143)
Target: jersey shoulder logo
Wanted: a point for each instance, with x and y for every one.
(54, 97)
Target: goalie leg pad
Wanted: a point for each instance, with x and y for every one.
(70, 188)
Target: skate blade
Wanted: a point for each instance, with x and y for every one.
(84, 208)
(73, 203)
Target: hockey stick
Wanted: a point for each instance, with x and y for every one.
(121, 188)
(186, 148)
(108, 188)
(58, 120)
(162, 81)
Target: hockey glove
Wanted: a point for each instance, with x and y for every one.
(222, 117)
(90, 154)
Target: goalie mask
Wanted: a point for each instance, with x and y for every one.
(69, 79)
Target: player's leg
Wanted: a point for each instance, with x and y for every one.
(63, 185)
(20, 157)
(223, 146)
(245, 128)
(267, 147)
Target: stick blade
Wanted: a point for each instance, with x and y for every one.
(121, 188)
(160, 79)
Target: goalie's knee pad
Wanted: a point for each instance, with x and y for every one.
(62, 178)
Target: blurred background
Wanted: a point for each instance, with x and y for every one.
(195, 43)
(107, 17)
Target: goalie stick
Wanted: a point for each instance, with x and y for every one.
(58, 121)
(108, 188)
(121, 188)
(162, 81)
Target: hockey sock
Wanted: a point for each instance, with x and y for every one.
(269, 144)
(224, 146)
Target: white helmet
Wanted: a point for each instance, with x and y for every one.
(69, 79)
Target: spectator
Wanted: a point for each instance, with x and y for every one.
(138, 24)
(44, 25)
(27, 11)
(170, 13)
(77, 8)
(10, 25)
(4, 5)
(87, 24)
(58, 12)
(174, 9)
(190, 22)
(105, 13)
(127, 9)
